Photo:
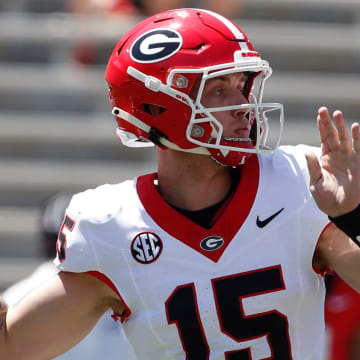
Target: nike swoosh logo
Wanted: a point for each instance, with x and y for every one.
(263, 223)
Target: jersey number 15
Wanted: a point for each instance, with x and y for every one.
(182, 310)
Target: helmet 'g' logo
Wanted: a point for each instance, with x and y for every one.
(212, 243)
(156, 45)
(146, 247)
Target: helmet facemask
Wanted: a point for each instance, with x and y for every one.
(233, 150)
(204, 129)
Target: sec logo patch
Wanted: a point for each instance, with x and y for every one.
(146, 247)
(156, 45)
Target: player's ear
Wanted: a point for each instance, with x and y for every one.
(152, 109)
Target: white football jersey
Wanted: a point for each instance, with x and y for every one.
(243, 289)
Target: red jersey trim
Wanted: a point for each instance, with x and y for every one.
(190, 233)
(127, 312)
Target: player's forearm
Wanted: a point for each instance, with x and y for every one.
(336, 251)
(54, 317)
(49, 320)
(348, 266)
(3, 312)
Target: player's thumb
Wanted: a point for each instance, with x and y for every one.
(314, 169)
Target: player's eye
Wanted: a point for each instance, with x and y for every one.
(219, 91)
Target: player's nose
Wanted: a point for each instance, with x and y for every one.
(241, 113)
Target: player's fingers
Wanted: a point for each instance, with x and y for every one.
(320, 115)
(324, 144)
(355, 133)
(343, 134)
(327, 130)
(314, 169)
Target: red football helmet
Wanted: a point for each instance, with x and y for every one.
(159, 61)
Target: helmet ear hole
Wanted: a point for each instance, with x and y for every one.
(152, 109)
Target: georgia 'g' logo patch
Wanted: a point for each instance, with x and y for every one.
(156, 45)
(146, 247)
(212, 243)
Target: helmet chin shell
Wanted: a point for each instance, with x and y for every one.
(229, 157)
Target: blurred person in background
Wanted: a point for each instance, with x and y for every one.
(106, 339)
(105, 7)
(342, 317)
(150, 7)
(228, 8)
(85, 53)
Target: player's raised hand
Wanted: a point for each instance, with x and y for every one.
(335, 180)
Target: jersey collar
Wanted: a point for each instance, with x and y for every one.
(183, 229)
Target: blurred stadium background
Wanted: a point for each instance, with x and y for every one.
(56, 130)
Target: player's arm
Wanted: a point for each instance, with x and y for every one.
(336, 251)
(335, 179)
(335, 185)
(54, 317)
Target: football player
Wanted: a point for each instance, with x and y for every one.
(220, 253)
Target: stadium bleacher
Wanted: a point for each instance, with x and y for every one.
(56, 130)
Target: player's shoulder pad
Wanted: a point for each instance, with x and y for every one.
(100, 204)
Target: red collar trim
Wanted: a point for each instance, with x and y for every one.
(190, 233)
